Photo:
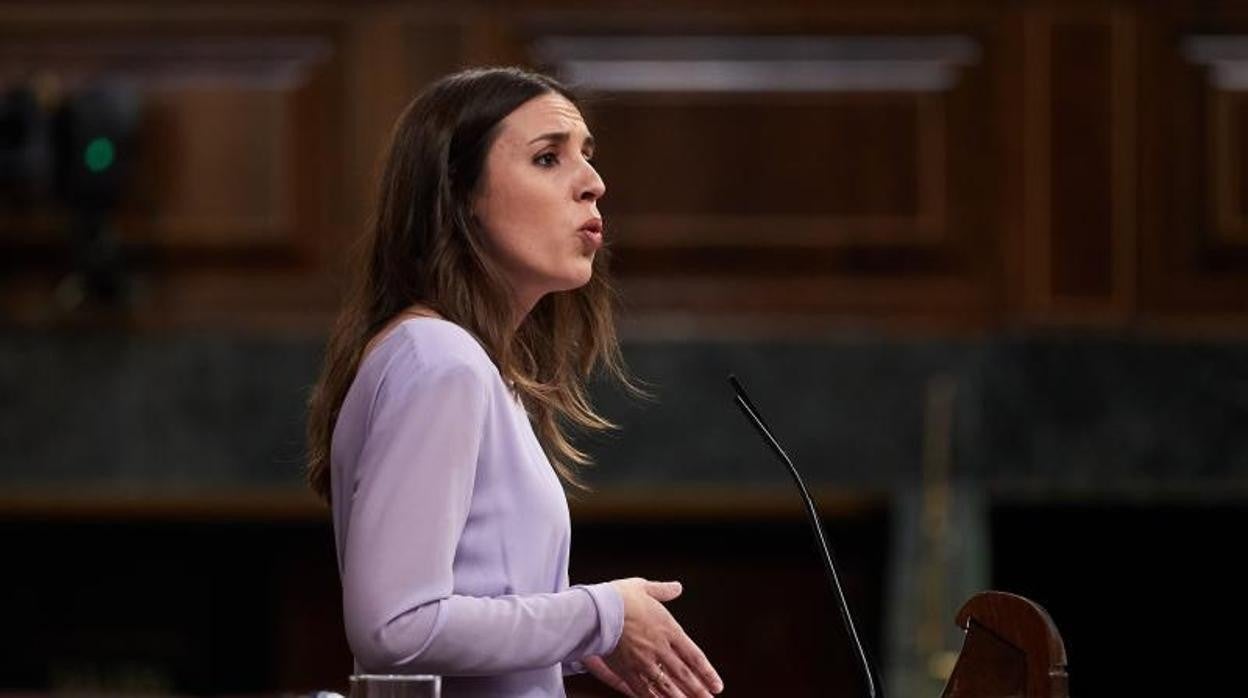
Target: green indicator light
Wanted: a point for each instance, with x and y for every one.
(99, 154)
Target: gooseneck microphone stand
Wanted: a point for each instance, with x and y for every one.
(751, 413)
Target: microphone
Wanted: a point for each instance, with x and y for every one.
(751, 413)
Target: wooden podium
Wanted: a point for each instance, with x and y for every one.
(1012, 650)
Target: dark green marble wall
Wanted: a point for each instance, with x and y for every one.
(1062, 414)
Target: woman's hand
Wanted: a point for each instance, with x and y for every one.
(599, 668)
(654, 656)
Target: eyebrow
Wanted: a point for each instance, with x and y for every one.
(562, 137)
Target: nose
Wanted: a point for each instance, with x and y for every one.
(591, 187)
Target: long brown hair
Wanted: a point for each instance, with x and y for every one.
(423, 247)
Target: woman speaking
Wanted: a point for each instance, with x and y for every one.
(481, 307)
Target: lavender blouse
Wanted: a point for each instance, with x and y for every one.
(452, 528)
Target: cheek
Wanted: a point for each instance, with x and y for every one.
(508, 227)
(521, 221)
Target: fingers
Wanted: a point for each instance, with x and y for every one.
(691, 669)
(662, 684)
(667, 676)
(684, 678)
(639, 685)
(663, 591)
(629, 668)
(599, 668)
(654, 656)
(696, 660)
(653, 677)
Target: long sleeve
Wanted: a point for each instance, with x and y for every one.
(412, 494)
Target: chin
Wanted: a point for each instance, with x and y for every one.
(573, 285)
(576, 278)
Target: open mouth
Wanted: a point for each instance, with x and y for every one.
(592, 232)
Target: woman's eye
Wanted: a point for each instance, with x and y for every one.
(546, 159)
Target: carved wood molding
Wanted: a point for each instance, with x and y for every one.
(1078, 165)
(1226, 59)
(838, 92)
(760, 63)
(147, 62)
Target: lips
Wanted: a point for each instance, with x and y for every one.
(591, 231)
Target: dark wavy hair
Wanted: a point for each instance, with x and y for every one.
(424, 247)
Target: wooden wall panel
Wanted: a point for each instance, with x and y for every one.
(216, 163)
(390, 57)
(1078, 121)
(233, 153)
(792, 174)
(1194, 260)
(775, 170)
(1081, 175)
(260, 137)
(233, 184)
(959, 165)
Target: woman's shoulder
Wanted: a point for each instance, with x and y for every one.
(412, 356)
(431, 344)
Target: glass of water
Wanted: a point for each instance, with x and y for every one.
(395, 686)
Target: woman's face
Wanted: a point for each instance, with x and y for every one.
(538, 199)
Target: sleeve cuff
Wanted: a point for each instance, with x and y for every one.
(572, 668)
(610, 616)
